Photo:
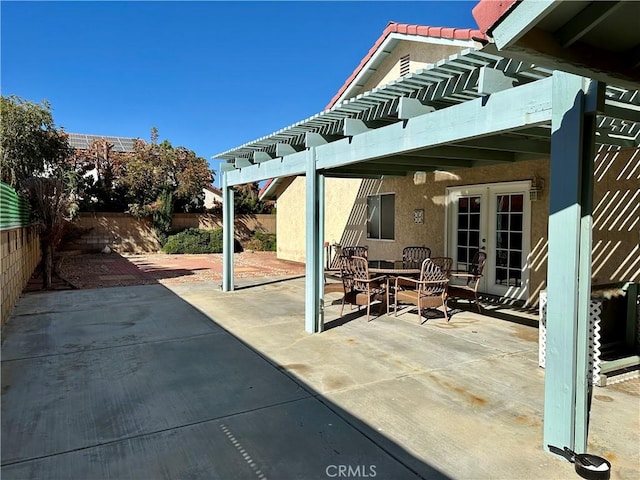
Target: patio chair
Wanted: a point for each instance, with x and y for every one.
(356, 251)
(359, 289)
(412, 257)
(335, 272)
(472, 276)
(429, 291)
(444, 263)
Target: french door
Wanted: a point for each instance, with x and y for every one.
(494, 218)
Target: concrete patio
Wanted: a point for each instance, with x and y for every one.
(185, 381)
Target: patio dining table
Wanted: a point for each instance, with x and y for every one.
(391, 267)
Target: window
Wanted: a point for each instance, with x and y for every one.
(381, 216)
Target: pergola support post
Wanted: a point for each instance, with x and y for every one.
(314, 238)
(227, 235)
(566, 405)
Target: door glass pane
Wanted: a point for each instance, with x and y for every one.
(502, 240)
(474, 221)
(468, 234)
(502, 222)
(508, 271)
(516, 222)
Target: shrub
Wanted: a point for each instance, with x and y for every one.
(194, 240)
(262, 242)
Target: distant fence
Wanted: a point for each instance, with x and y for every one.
(14, 208)
(20, 247)
(125, 233)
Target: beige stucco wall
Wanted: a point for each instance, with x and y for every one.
(343, 220)
(20, 255)
(616, 234)
(420, 54)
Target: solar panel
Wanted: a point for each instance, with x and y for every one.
(82, 141)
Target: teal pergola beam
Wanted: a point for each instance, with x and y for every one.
(227, 235)
(314, 240)
(569, 263)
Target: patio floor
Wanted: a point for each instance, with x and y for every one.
(184, 381)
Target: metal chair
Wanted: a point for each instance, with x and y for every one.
(472, 276)
(334, 272)
(412, 257)
(356, 251)
(359, 289)
(430, 291)
(444, 263)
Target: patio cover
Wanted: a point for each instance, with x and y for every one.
(475, 108)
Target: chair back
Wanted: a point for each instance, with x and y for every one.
(431, 272)
(412, 257)
(354, 270)
(356, 251)
(360, 268)
(445, 264)
(476, 267)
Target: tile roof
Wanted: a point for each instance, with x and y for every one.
(488, 13)
(406, 29)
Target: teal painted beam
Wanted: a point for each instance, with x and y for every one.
(412, 107)
(319, 274)
(592, 104)
(227, 235)
(520, 20)
(291, 165)
(313, 253)
(519, 107)
(569, 268)
(492, 81)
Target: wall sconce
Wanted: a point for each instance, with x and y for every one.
(418, 216)
(537, 186)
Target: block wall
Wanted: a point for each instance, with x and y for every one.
(20, 256)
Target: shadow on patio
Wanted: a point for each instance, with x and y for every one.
(134, 382)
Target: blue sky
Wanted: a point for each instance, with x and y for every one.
(209, 75)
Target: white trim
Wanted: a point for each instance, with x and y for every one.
(488, 193)
(385, 50)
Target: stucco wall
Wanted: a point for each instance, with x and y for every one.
(420, 54)
(616, 234)
(125, 233)
(343, 220)
(20, 256)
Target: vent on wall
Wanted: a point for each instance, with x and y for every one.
(404, 65)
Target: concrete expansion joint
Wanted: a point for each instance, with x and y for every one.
(111, 347)
(153, 432)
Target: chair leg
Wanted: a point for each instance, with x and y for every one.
(444, 305)
(478, 304)
(368, 310)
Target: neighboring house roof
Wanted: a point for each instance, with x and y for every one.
(464, 36)
(213, 189)
(82, 141)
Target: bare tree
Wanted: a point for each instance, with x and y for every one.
(52, 207)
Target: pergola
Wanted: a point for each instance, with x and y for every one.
(472, 109)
